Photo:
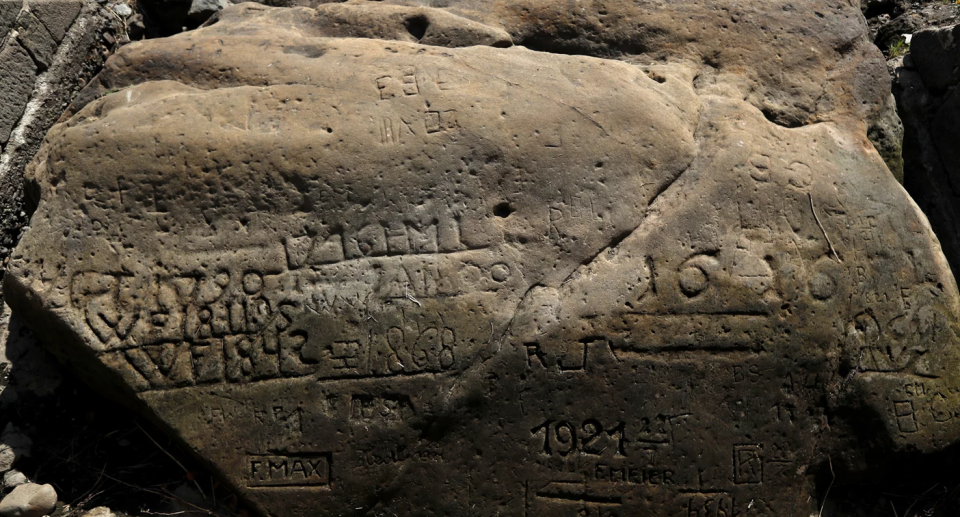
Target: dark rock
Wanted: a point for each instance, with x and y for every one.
(136, 30)
(928, 105)
(886, 133)
(14, 444)
(946, 138)
(873, 8)
(167, 17)
(936, 54)
(893, 32)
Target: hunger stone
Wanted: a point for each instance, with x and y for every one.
(360, 274)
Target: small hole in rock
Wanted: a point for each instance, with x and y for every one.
(503, 210)
(417, 26)
(656, 77)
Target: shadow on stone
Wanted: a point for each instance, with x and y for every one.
(92, 450)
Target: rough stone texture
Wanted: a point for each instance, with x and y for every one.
(58, 46)
(13, 478)
(201, 10)
(414, 24)
(56, 15)
(100, 511)
(886, 133)
(9, 9)
(29, 500)
(797, 65)
(364, 276)
(927, 100)
(36, 39)
(17, 74)
(908, 17)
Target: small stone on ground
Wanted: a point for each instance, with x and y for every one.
(29, 500)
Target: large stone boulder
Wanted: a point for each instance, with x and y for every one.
(358, 274)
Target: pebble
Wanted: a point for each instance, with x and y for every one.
(7, 457)
(100, 511)
(29, 500)
(13, 478)
(203, 9)
(122, 10)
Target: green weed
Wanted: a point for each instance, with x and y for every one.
(898, 48)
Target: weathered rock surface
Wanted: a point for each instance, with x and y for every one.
(925, 88)
(798, 65)
(100, 511)
(29, 500)
(375, 276)
(13, 478)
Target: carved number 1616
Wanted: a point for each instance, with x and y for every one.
(590, 437)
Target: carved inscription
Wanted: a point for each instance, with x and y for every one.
(243, 322)
(906, 417)
(376, 457)
(747, 464)
(368, 409)
(593, 437)
(293, 470)
(404, 83)
(561, 497)
(723, 504)
(588, 437)
(376, 240)
(185, 331)
(498, 282)
(652, 476)
(282, 352)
